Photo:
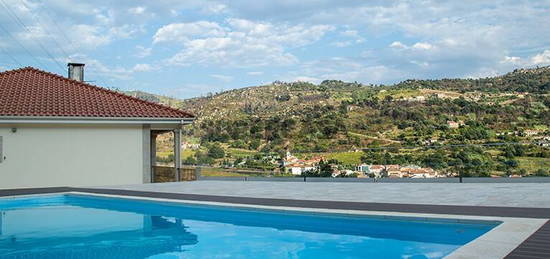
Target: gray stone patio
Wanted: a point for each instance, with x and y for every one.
(474, 194)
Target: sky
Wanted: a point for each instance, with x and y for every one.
(191, 48)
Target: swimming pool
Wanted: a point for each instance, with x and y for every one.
(81, 226)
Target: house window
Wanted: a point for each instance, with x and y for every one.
(1, 150)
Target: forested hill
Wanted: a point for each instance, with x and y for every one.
(250, 127)
(337, 116)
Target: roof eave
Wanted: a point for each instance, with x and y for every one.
(92, 120)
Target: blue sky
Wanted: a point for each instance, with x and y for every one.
(190, 48)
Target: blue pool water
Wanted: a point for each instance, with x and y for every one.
(78, 226)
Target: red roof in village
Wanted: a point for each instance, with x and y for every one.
(32, 92)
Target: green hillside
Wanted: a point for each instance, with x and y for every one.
(336, 117)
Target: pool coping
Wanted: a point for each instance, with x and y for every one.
(508, 240)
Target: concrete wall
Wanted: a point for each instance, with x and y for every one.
(72, 155)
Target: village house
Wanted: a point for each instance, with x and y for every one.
(363, 168)
(297, 166)
(58, 131)
(345, 172)
(376, 170)
(418, 172)
(396, 171)
(392, 171)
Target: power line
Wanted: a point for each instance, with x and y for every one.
(12, 57)
(47, 12)
(14, 15)
(21, 45)
(37, 19)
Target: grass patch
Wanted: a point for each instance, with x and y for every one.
(164, 154)
(532, 164)
(399, 93)
(184, 154)
(210, 171)
(187, 153)
(238, 152)
(347, 158)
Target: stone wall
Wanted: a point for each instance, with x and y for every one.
(163, 174)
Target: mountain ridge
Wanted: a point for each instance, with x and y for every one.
(335, 117)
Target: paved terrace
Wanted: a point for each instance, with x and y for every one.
(533, 195)
(530, 200)
(523, 200)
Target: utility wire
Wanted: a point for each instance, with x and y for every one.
(11, 56)
(22, 46)
(37, 19)
(47, 12)
(14, 15)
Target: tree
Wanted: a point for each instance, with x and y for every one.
(473, 162)
(203, 159)
(542, 172)
(254, 144)
(325, 168)
(216, 151)
(436, 160)
(190, 161)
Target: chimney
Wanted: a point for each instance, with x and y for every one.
(76, 71)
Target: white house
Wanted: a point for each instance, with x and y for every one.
(57, 131)
(298, 169)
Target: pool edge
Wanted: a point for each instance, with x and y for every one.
(496, 243)
(521, 213)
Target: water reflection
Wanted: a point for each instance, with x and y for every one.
(154, 235)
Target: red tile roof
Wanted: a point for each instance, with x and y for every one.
(32, 92)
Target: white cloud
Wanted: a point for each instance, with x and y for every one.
(183, 32)
(417, 46)
(137, 10)
(432, 39)
(223, 78)
(353, 34)
(307, 79)
(255, 73)
(399, 45)
(538, 59)
(88, 36)
(541, 58)
(214, 8)
(143, 51)
(341, 44)
(511, 60)
(421, 64)
(124, 31)
(422, 45)
(345, 69)
(239, 43)
(350, 33)
(144, 68)
(455, 38)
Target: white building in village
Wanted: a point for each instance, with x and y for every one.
(57, 131)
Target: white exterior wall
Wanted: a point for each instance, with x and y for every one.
(72, 155)
(296, 170)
